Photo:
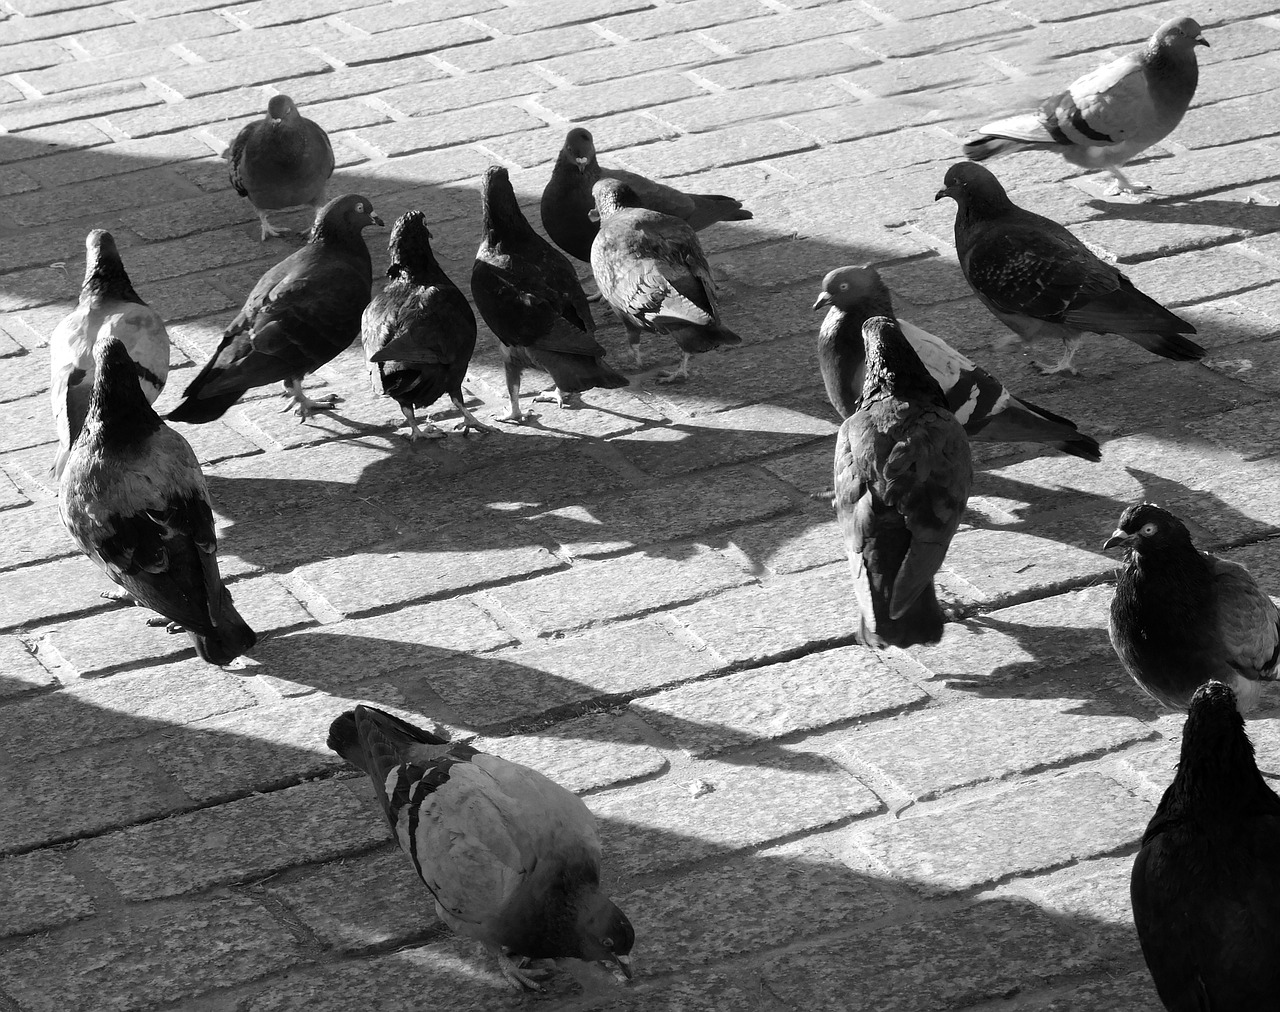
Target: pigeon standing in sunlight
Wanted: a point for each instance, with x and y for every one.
(1040, 280)
(652, 271)
(304, 312)
(902, 478)
(1206, 884)
(419, 331)
(1181, 616)
(282, 160)
(134, 499)
(979, 401)
(529, 295)
(511, 858)
(567, 199)
(1113, 113)
(108, 307)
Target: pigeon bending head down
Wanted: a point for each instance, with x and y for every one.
(611, 195)
(281, 109)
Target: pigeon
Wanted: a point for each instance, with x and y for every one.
(1181, 616)
(902, 478)
(281, 160)
(511, 858)
(134, 499)
(301, 314)
(530, 296)
(419, 331)
(1206, 884)
(651, 269)
(1039, 279)
(567, 199)
(979, 401)
(108, 307)
(1113, 113)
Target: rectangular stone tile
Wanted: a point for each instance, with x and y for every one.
(34, 534)
(190, 112)
(180, 948)
(593, 592)
(987, 950)
(462, 126)
(65, 22)
(831, 687)
(538, 14)
(676, 19)
(609, 97)
(204, 79)
(80, 104)
(743, 142)
(406, 42)
(317, 34)
(87, 73)
(278, 12)
(792, 544)
(1000, 566)
(311, 822)
(1035, 826)
(434, 97)
(1133, 992)
(1094, 892)
(31, 56)
(592, 66)
(718, 807)
(126, 40)
(96, 197)
(516, 49)
(40, 893)
(19, 671)
(797, 62)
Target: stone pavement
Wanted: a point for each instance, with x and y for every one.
(640, 599)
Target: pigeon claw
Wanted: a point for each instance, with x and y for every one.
(519, 974)
(425, 431)
(123, 596)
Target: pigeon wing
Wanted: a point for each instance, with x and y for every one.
(1248, 620)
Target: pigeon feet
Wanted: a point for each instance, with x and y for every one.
(519, 974)
(1121, 185)
(559, 398)
(1053, 370)
(160, 622)
(306, 406)
(123, 596)
(425, 431)
(512, 417)
(270, 231)
(638, 355)
(676, 375)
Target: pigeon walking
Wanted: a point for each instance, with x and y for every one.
(301, 314)
(651, 269)
(1039, 280)
(511, 858)
(567, 199)
(1206, 884)
(979, 401)
(1181, 616)
(902, 478)
(134, 499)
(108, 307)
(1112, 114)
(419, 332)
(530, 297)
(282, 160)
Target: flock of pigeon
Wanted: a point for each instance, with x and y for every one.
(511, 858)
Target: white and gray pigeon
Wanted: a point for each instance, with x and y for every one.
(1112, 114)
(282, 160)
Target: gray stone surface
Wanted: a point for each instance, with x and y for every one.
(19, 670)
(39, 893)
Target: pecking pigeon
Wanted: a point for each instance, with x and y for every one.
(282, 160)
(134, 499)
(1040, 280)
(567, 199)
(301, 314)
(529, 295)
(651, 269)
(1206, 884)
(978, 400)
(419, 331)
(1181, 616)
(511, 857)
(902, 478)
(108, 307)
(1110, 115)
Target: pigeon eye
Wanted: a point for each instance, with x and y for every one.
(1148, 530)
(359, 207)
(608, 943)
(844, 285)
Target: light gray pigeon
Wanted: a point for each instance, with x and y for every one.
(281, 160)
(1113, 113)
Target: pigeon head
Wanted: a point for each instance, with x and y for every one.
(502, 214)
(974, 188)
(610, 195)
(1216, 768)
(1146, 527)
(410, 243)
(579, 149)
(104, 271)
(892, 364)
(1179, 35)
(343, 219)
(604, 934)
(281, 107)
(847, 287)
(118, 408)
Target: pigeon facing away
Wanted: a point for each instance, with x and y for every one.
(134, 499)
(1040, 280)
(530, 296)
(301, 314)
(108, 307)
(651, 269)
(1112, 114)
(281, 160)
(902, 478)
(1181, 616)
(567, 199)
(979, 401)
(419, 331)
(1206, 884)
(511, 857)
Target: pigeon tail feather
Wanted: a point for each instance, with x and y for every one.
(1173, 346)
(921, 623)
(195, 409)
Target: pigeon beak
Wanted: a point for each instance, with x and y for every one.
(375, 219)
(1118, 537)
(944, 192)
(624, 964)
(824, 300)
(582, 163)
(1202, 41)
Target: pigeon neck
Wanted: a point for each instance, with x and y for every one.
(894, 367)
(339, 235)
(119, 414)
(1217, 773)
(979, 207)
(105, 276)
(1178, 72)
(417, 265)
(503, 220)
